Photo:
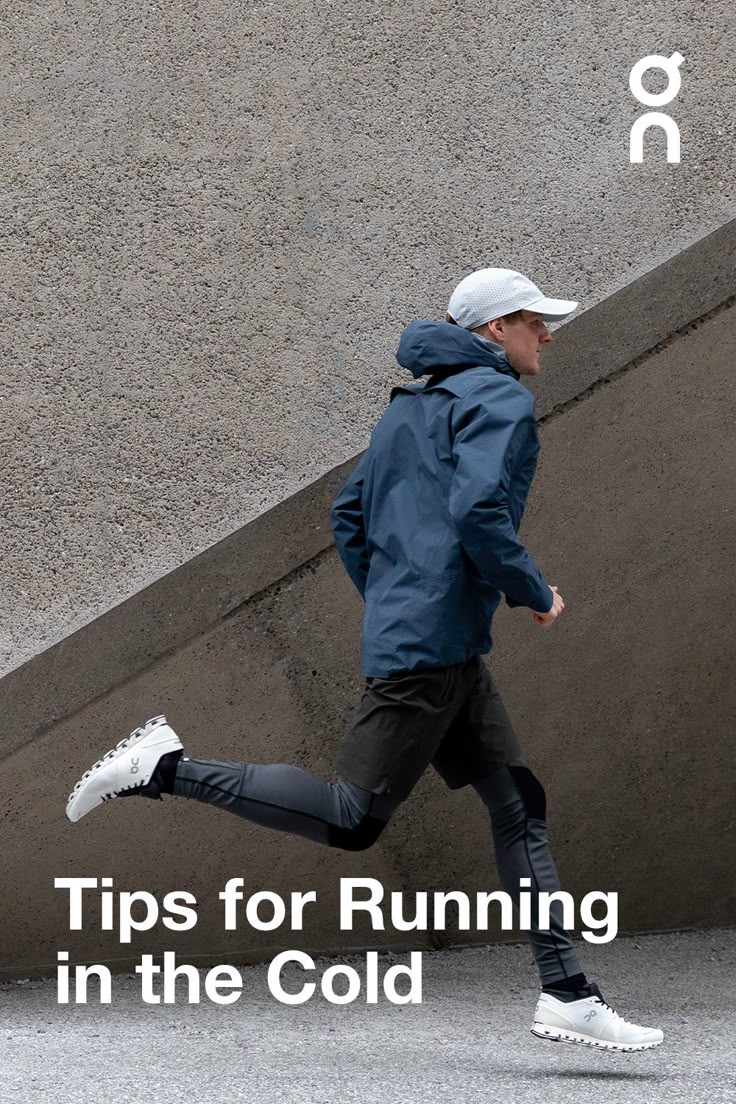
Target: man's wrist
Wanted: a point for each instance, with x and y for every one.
(551, 603)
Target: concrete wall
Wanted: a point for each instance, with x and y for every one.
(625, 708)
(221, 215)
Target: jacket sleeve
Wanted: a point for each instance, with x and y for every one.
(491, 432)
(348, 527)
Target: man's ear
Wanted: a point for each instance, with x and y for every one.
(497, 330)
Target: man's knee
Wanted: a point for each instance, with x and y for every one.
(363, 816)
(356, 837)
(513, 793)
(531, 792)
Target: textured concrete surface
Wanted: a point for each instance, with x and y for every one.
(469, 1040)
(625, 708)
(217, 218)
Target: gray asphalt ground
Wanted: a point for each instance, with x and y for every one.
(468, 1041)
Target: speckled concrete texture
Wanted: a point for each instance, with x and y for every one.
(469, 1040)
(624, 708)
(218, 217)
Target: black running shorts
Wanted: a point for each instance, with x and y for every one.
(451, 717)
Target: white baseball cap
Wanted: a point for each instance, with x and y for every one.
(491, 293)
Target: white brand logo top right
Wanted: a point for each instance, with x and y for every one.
(671, 66)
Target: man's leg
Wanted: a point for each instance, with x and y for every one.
(395, 733)
(569, 1008)
(516, 802)
(481, 749)
(288, 799)
(151, 762)
(391, 741)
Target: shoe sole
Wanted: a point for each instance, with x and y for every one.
(121, 748)
(558, 1035)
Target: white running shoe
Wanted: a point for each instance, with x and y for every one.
(127, 769)
(590, 1021)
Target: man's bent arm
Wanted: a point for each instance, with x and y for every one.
(490, 433)
(348, 528)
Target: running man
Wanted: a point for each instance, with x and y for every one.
(426, 527)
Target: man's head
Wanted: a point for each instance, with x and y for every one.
(507, 308)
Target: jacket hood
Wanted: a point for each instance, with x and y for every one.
(429, 348)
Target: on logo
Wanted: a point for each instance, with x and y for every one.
(671, 67)
(135, 768)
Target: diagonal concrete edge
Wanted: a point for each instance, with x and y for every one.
(213, 585)
(633, 321)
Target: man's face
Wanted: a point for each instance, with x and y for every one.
(522, 338)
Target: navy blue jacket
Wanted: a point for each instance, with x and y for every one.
(426, 525)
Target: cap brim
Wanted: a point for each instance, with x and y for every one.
(552, 310)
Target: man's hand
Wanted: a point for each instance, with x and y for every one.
(549, 618)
